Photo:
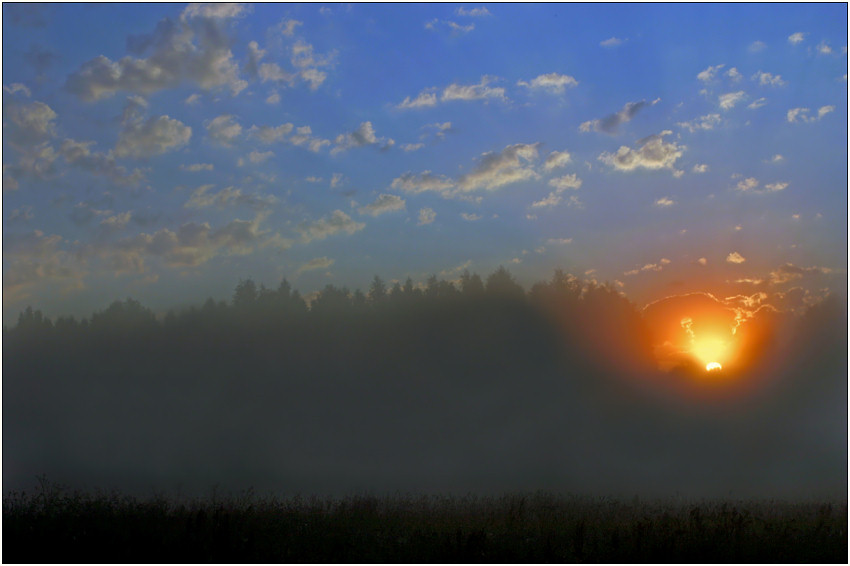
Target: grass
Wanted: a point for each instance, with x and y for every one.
(55, 525)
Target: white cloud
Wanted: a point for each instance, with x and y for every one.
(224, 129)
(454, 27)
(766, 79)
(551, 82)
(273, 98)
(470, 217)
(802, 114)
(26, 124)
(707, 122)
(708, 74)
(478, 91)
(557, 159)
(747, 184)
(824, 48)
(196, 167)
(664, 202)
(474, 12)
(192, 99)
(424, 182)
(426, 216)
(611, 42)
(700, 168)
(383, 204)
(268, 134)
(336, 180)
(611, 123)
(287, 27)
(757, 46)
(735, 257)
(757, 103)
(202, 197)
(796, 38)
(734, 75)
(328, 226)
(196, 49)
(552, 200)
(316, 263)
(78, 154)
(652, 153)
(303, 137)
(511, 165)
(570, 181)
(774, 187)
(729, 100)
(559, 241)
(214, 10)
(425, 99)
(408, 147)
(777, 158)
(259, 157)
(152, 137)
(17, 87)
(364, 135)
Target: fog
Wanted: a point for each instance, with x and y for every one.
(478, 387)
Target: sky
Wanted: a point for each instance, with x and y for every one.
(164, 151)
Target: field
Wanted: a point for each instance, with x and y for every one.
(54, 525)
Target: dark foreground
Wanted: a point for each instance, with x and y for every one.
(54, 526)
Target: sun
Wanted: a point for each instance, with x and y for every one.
(713, 366)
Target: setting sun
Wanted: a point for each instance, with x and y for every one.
(713, 366)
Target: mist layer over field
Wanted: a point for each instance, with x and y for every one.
(479, 387)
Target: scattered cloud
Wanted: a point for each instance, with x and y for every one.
(152, 137)
(559, 241)
(729, 100)
(474, 12)
(796, 38)
(734, 75)
(652, 153)
(202, 197)
(553, 199)
(611, 123)
(707, 122)
(326, 226)
(664, 202)
(802, 114)
(478, 91)
(757, 103)
(424, 182)
(790, 272)
(757, 46)
(224, 129)
(612, 42)
(735, 257)
(700, 168)
(383, 204)
(570, 181)
(511, 165)
(552, 83)
(766, 79)
(425, 99)
(316, 263)
(268, 134)
(408, 147)
(824, 48)
(556, 160)
(197, 167)
(470, 217)
(454, 27)
(708, 74)
(426, 216)
(363, 136)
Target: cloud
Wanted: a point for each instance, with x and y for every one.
(707, 122)
(439, 129)
(734, 75)
(777, 158)
(478, 91)
(552, 83)
(17, 87)
(202, 197)
(196, 50)
(766, 79)
(364, 135)
(192, 99)
(649, 267)
(729, 100)
(408, 147)
(456, 28)
(154, 136)
(700, 168)
(383, 204)
(796, 38)
(268, 134)
(757, 103)
(757, 46)
(273, 98)
(702, 261)
(474, 12)
(424, 182)
(708, 74)
(557, 159)
(287, 27)
(425, 99)
(511, 165)
(470, 217)
(196, 167)
(33, 258)
(23, 214)
(84, 212)
(328, 226)
(26, 124)
(824, 48)
(426, 216)
(260, 157)
(652, 153)
(802, 114)
(570, 181)
(735, 257)
(552, 200)
(214, 10)
(790, 272)
(559, 241)
(224, 129)
(611, 42)
(611, 123)
(303, 138)
(79, 154)
(664, 202)
(747, 184)
(336, 180)
(316, 263)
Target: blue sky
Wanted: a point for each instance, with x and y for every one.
(163, 151)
